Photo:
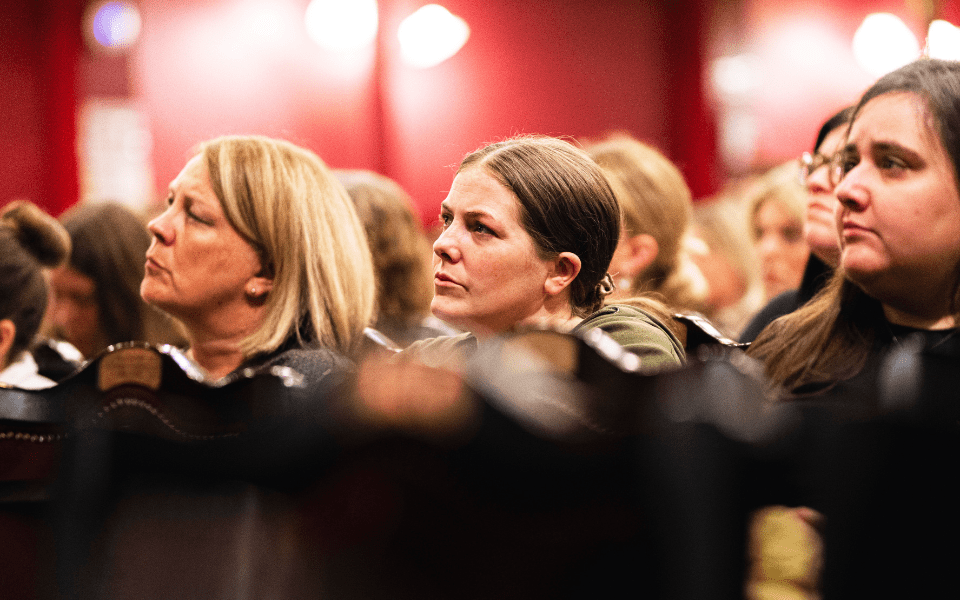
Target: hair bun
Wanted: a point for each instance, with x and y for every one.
(37, 232)
(606, 286)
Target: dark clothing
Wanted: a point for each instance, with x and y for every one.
(884, 444)
(815, 276)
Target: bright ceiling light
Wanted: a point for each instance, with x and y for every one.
(342, 24)
(735, 75)
(430, 36)
(943, 40)
(883, 43)
(113, 25)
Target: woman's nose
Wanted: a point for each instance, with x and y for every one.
(818, 182)
(161, 228)
(768, 245)
(851, 191)
(446, 247)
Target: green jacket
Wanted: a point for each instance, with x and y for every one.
(631, 327)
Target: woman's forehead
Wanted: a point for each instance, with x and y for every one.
(476, 191)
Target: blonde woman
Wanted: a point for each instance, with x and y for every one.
(778, 210)
(657, 209)
(260, 254)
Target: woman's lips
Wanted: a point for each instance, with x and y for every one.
(153, 266)
(445, 280)
(850, 229)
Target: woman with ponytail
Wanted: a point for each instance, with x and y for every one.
(529, 229)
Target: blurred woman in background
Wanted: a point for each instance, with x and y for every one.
(657, 208)
(820, 229)
(401, 257)
(777, 216)
(96, 296)
(30, 241)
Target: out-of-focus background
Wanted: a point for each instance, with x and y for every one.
(105, 99)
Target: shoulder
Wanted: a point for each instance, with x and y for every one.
(315, 363)
(444, 351)
(638, 332)
(23, 374)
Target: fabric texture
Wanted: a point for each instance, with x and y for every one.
(631, 327)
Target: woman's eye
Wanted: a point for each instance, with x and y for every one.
(888, 163)
(445, 220)
(792, 235)
(481, 228)
(847, 163)
(195, 217)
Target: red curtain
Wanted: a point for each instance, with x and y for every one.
(694, 139)
(60, 46)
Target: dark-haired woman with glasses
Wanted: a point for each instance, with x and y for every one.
(879, 343)
(819, 229)
(898, 224)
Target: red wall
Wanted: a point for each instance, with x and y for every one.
(39, 43)
(563, 67)
(556, 67)
(559, 67)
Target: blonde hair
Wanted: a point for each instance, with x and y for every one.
(286, 203)
(656, 201)
(781, 184)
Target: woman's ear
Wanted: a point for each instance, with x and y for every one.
(641, 251)
(566, 267)
(258, 287)
(8, 332)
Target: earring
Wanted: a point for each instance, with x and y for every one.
(253, 292)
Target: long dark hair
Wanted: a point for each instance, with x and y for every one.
(830, 337)
(109, 244)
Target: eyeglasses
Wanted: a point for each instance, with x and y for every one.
(810, 163)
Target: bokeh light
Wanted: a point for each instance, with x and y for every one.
(114, 25)
(342, 25)
(883, 43)
(430, 36)
(943, 40)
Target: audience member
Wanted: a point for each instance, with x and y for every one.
(30, 240)
(884, 329)
(401, 257)
(820, 230)
(899, 234)
(777, 209)
(260, 255)
(96, 296)
(529, 228)
(657, 206)
(721, 249)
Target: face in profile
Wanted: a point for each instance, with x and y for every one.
(899, 220)
(820, 229)
(74, 312)
(489, 276)
(781, 247)
(197, 263)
